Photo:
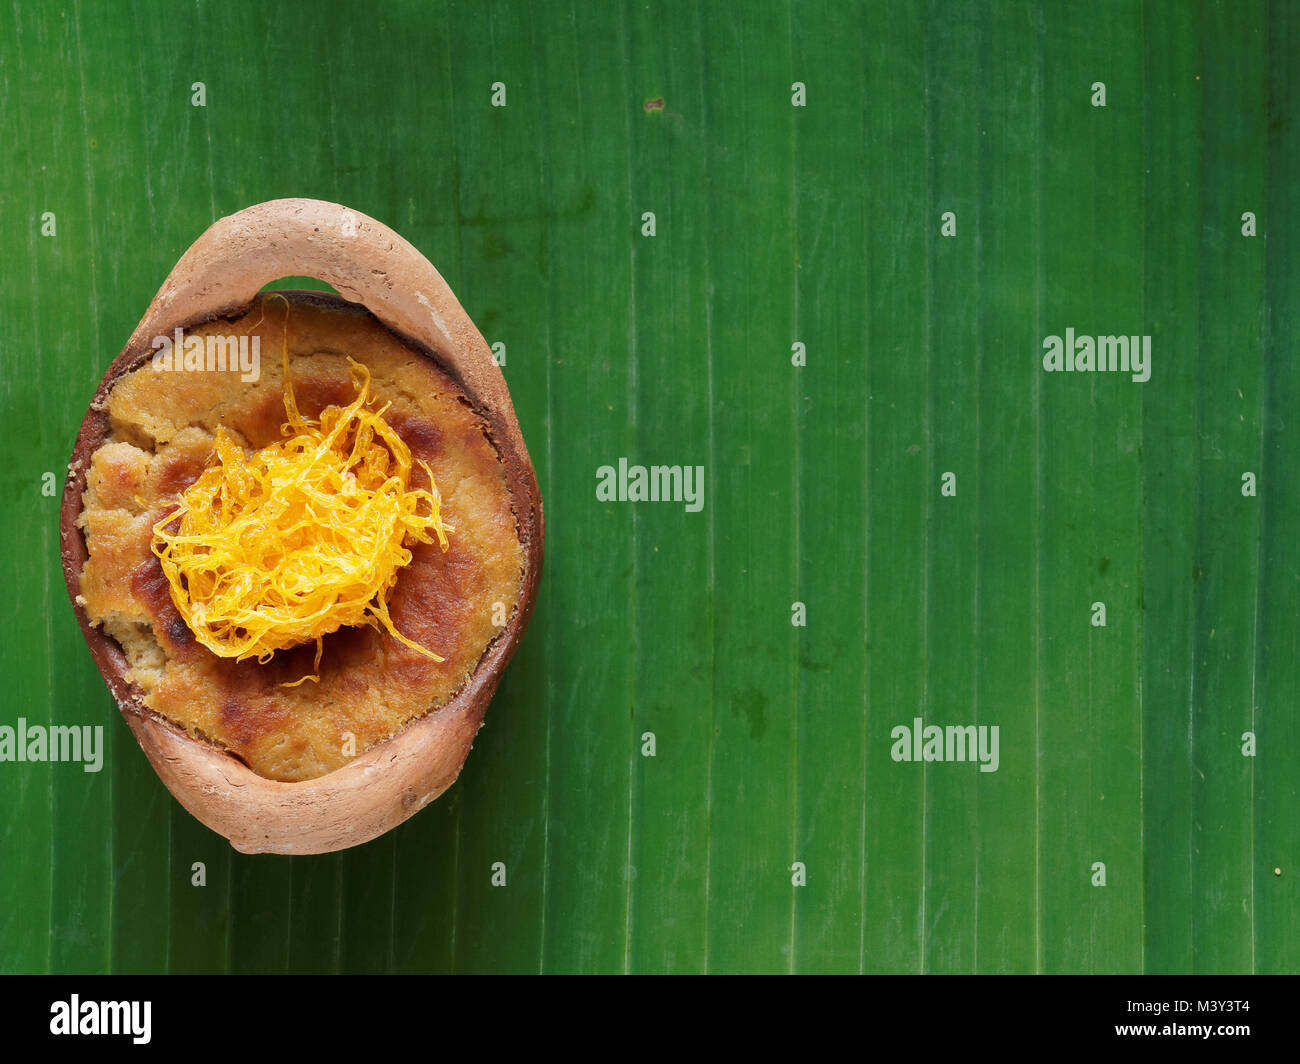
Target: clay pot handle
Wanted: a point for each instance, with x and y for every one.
(364, 260)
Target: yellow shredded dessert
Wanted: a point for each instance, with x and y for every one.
(278, 548)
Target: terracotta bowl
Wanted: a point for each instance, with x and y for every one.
(368, 264)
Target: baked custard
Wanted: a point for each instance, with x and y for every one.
(297, 712)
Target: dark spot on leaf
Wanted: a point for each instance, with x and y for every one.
(495, 247)
(752, 705)
(654, 105)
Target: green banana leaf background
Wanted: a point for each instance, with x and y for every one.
(904, 517)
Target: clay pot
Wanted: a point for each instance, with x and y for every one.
(367, 263)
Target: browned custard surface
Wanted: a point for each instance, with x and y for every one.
(453, 603)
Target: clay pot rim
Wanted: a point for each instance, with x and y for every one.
(132, 697)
